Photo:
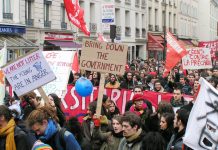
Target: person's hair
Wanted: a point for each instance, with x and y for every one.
(92, 107)
(164, 107)
(183, 114)
(77, 74)
(40, 114)
(132, 119)
(153, 141)
(56, 99)
(169, 117)
(137, 86)
(118, 118)
(105, 98)
(6, 112)
(28, 96)
(178, 88)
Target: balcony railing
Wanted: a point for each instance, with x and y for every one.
(63, 25)
(150, 27)
(8, 16)
(156, 28)
(128, 2)
(30, 22)
(175, 31)
(127, 31)
(93, 27)
(137, 3)
(143, 5)
(118, 1)
(137, 32)
(47, 24)
(143, 33)
(118, 30)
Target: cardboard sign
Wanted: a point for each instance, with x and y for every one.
(60, 63)
(213, 45)
(103, 57)
(197, 58)
(28, 73)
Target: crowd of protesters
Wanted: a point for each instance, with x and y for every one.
(30, 123)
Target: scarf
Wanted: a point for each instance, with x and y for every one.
(134, 136)
(50, 130)
(8, 131)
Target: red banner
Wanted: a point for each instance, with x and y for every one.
(75, 105)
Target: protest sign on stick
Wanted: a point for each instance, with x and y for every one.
(28, 73)
(197, 58)
(104, 58)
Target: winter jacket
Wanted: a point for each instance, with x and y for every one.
(176, 141)
(20, 138)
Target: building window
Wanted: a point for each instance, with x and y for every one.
(92, 13)
(47, 5)
(46, 12)
(28, 13)
(156, 17)
(62, 13)
(6, 6)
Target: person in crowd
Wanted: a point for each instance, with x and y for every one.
(39, 145)
(153, 141)
(191, 79)
(195, 87)
(158, 87)
(90, 141)
(112, 138)
(105, 106)
(132, 132)
(169, 85)
(137, 80)
(55, 102)
(43, 121)
(180, 122)
(177, 101)
(166, 126)
(138, 90)
(11, 136)
(149, 85)
(112, 83)
(215, 71)
(186, 89)
(96, 78)
(74, 126)
(113, 110)
(128, 82)
(142, 76)
(164, 107)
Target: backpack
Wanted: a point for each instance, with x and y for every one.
(61, 135)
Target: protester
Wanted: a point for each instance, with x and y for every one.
(128, 82)
(158, 87)
(180, 122)
(112, 138)
(132, 132)
(164, 107)
(113, 110)
(177, 101)
(186, 89)
(43, 121)
(153, 141)
(166, 126)
(55, 101)
(11, 136)
(112, 83)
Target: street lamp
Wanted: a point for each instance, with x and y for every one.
(165, 22)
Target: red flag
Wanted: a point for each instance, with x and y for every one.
(76, 15)
(101, 38)
(75, 64)
(174, 53)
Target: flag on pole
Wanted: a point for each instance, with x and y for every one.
(174, 53)
(3, 61)
(202, 128)
(75, 64)
(76, 15)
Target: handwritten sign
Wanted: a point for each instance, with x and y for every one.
(28, 73)
(103, 57)
(197, 58)
(213, 45)
(60, 63)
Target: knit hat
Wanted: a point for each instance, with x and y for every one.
(138, 97)
(38, 145)
(153, 73)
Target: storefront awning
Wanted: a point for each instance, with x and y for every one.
(65, 44)
(155, 42)
(186, 43)
(16, 42)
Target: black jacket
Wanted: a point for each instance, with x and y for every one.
(20, 138)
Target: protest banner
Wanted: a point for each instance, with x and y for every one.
(203, 119)
(197, 58)
(212, 45)
(75, 105)
(108, 15)
(28, 73)
(60, 63)
(104, 58)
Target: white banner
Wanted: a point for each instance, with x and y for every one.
(108, 15)
(202, 128)
(197, 58)
(61, 64)
(28, 73)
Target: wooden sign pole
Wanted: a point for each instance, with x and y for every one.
(43, 94)
(100, 94)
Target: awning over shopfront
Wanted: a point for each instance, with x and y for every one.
(155, 42)
(16, 42)
(65, 44)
